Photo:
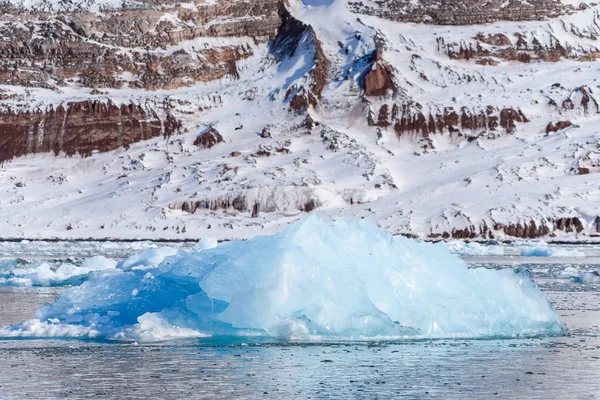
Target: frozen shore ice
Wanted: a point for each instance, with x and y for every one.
(312, 281)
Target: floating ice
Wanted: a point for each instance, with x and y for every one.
(544, 250)
(65, 275)
(589, 277)
(463, 248)
(344, 280)
(524, 249)
(547, 251)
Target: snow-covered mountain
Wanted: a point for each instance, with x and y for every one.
(433, 118)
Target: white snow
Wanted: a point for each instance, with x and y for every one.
(342, 164)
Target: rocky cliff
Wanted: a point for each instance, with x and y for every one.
(231, 118)
(463, 12)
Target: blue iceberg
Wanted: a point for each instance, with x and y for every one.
(344, 280)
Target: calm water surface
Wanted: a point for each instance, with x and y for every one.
(540, 368)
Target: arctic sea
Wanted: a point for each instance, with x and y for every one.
(544, 367)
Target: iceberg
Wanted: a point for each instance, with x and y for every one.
(346, 280)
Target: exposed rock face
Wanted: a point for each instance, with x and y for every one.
(532, 230)
(128, 47)
(265, 134)
(208, 138)
(267, 200)
(559, 126)
(461, 12)
(407, 118)
(80, 128)
(582, 97)
(521, 49)
(505, 50)
(521, 230)
(379, 81)
(290, 35)
(104, 50)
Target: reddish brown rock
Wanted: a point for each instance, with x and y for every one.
(80, 128)
(525, 230)
(560, 125)
(292, 33)
(521, 51)
(583, 171)
(265, 134)
(568, 224)
(383, 119)
(58, 47)
(408, 119)
(460, 12)
(302, 100)
(379, 81)
(466, 233)
(508, 117)
(208, 138)
(587, 102)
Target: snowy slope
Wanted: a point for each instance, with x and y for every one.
(336, 163)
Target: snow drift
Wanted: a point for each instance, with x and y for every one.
(312, 281)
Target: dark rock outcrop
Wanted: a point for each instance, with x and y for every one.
(379, 81)
(208, 139)
(80, 128)
(531, 230)
(95, 50)
(290, 35)
(559, 126)
(409, 119)
(461, 12)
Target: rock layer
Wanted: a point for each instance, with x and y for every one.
(80, 128)
(408, 118)
(461, 12)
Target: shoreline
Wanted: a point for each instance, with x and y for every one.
(195, 240)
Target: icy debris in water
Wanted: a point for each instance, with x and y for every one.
(589, 277)
(544, 250)
(65, 274)
(473, 249)
(147, 259)
(207, 243)
(152, 327)
(524, 249)
(314, 280)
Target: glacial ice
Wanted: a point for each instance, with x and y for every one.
(314, 280)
